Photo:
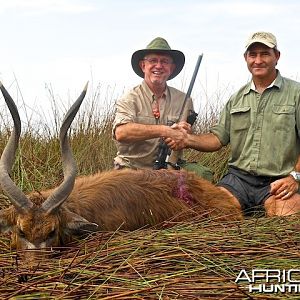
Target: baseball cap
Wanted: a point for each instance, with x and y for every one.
(266, 38)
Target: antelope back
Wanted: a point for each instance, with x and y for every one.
(132, 199)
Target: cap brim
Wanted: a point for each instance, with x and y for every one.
(270, 45)
(178, 58)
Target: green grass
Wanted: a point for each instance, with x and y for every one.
(38, 162)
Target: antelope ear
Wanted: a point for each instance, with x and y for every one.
(77, 225)
(7, 219)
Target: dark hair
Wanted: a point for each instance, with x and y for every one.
(276, 51)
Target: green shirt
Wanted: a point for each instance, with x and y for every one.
(263, 129)
(137, 106)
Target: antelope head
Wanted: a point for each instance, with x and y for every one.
(44, 222)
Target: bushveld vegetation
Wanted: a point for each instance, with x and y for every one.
(194, 259)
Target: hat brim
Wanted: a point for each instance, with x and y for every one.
(259, 41)
(178, 59)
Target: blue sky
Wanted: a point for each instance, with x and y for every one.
(64, 43)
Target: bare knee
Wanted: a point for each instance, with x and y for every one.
(235, 202)
(278, 207)
(232, 205)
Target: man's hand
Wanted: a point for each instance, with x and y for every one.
(177, 135)
(183, 125)
(284, 188)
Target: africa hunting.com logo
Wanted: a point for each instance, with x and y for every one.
(270, 281)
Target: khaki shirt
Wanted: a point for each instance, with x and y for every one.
(263, 129)
(136, 106)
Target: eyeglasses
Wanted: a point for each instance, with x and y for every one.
(154, 61)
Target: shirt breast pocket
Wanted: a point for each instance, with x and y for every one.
(240, 118)
(284, 117)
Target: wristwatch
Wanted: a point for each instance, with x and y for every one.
(296, 175)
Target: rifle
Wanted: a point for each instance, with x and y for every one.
(163, 150)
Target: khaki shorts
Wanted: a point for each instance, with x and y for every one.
(251, 191)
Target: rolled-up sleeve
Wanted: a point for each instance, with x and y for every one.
(124, 112)
(222, 128)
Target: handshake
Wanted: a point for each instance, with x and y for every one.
(176, 138)
(179, 138)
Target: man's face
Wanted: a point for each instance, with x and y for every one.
(261, 60)
(157, 68)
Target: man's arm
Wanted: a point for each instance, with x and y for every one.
(286, 187)
(134, 132)
(207, 142)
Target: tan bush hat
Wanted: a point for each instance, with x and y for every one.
(158, 45)
(262, 37)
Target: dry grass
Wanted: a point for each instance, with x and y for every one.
(190, 260)
(195, 259)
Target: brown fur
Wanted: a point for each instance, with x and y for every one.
(134, 199)
(126, 199)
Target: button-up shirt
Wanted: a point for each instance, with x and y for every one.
(137, 106)
(263, 129)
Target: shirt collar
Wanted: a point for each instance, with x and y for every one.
(150, 94)
(277, 83)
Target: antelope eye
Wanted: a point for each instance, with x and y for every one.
(52, 234)
(21, 233)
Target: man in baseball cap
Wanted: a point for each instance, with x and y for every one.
(261, 123)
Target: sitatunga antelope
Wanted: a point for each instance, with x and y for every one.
(126, 199)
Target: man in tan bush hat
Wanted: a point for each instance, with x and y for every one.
(143, 113)
(261, 122)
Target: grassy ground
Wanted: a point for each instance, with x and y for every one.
(195, 259)
(190, 260)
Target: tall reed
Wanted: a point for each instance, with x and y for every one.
(38, 163)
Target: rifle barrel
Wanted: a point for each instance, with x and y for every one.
(189, 91)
